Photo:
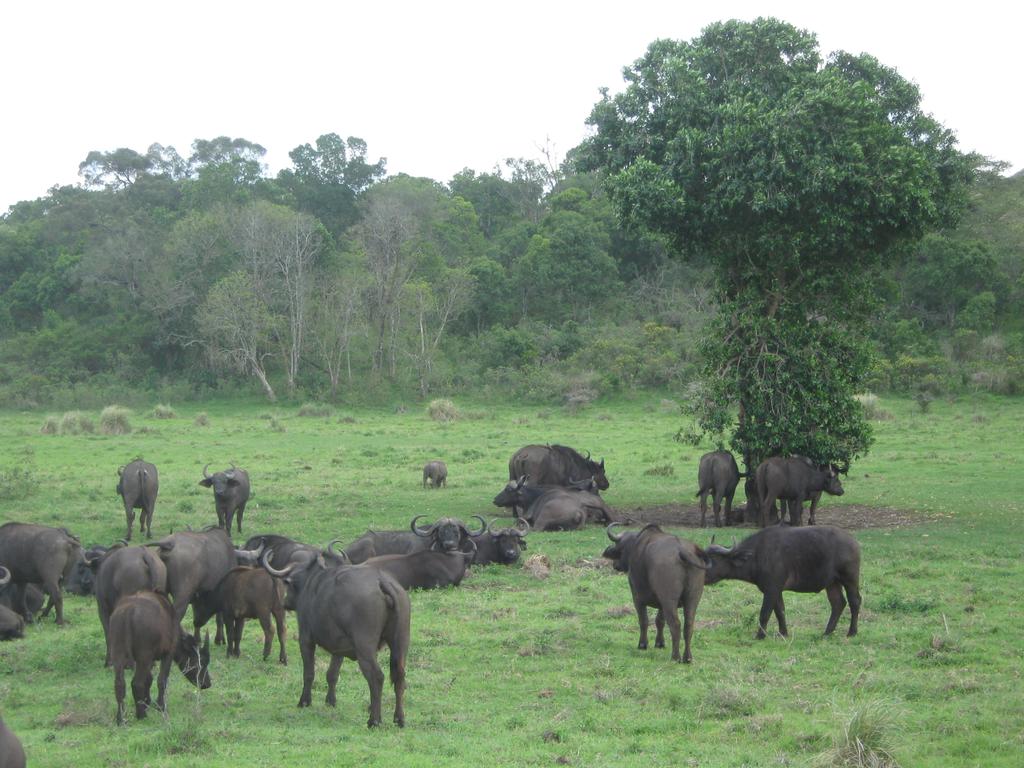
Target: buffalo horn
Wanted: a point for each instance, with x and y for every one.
(5, 576)
(425, 531)
(120, 470)
(205, 473)
(332, 550)
(718, 549)
(265, 562)
(483, 528)
(611, 535)
(522, 531)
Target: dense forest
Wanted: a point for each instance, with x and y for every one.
(171, 276)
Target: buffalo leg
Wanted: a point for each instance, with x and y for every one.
(239, 629)
(689, 620)
(703, 508)
(835, 599)
(129, 514)
(398, 681)
(140, 689)
(796, 511)
(371, 670)
(718, 508)
(853, 595)
(641, 615)
(672, 617)
(728, 510)
(308, 650)
(767, 606)
(161, 682)
(332, 678)
(780, 616)
(281, 635)
(659, 623)
(238, 512)
(52, 588)
(119, 691)
(147, 519)
(268, 635)
(814, 506)
(766, 504)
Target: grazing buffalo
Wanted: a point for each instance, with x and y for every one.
(230, 494)
(196, 562)
(122, 571)
(351, 612)
(719, 476)
(665, 572)
(436, 472)
(11, 624)
(137, 486)
(793, 480)
(142, 630)
(11, 753)
(798, 560)
(428, 569)
(38, 554)
(448, 534)
(247, 593)
(555, 465)
(501, 545)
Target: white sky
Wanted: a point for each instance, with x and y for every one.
(434, 86)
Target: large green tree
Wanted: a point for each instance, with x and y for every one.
(796, 178)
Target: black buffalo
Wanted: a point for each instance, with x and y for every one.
(555, 465)
(501, 545)
(143, 630)
(137, 486)
(38, 554)
(793, 480)
(246, 592)
(448, 534)
(436, 473)
(719, 476)
(283, 550)
(11, 753)
(12, 626)
(122, 571)
(81, 580)
(196, 562)
(665, 572)
(427, 569)
(798, 560)
(351, 612)
(230, 494)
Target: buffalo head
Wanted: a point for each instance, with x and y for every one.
(221, 482)
(448, 533)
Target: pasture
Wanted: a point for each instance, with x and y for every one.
(511, 669)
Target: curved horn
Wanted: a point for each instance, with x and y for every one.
(265, 562)
(120, 470)
(612, 536)
(333, 551)
(483, 528)
(5, 579)
(206, 474)
(588, 456)
(426, 531)
(519, 531)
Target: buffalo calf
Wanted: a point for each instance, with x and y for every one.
(143, 630)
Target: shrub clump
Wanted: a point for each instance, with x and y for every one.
(161, 411)
(276, 425)
(443, 410)
(872, 409)
(76, 423)
(51, 425)
(201, 420)
(315, 410)
(114, 420)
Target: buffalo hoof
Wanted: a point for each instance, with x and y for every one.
(659, 643)
(303, 703)
(400, 722)
(371, 723)
(642, 646)
(852, 633)
(283, 660)
(331, 701)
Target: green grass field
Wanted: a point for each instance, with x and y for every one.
(509, 669)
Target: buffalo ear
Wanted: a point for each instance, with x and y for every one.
(206, 482)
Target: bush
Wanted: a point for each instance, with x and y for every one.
(114, 420)
(315, 410)
(76, 423)
(443, 410)
(164, 412)
(202, 420)
(276, 425)
(51, 425)
(16, 483)
(872, 409)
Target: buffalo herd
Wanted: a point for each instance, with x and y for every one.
(353, 601)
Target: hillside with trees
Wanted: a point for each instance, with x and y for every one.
(189, 275)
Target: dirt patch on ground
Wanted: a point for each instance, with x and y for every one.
(851, 516)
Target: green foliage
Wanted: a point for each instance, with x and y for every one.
(718, 143)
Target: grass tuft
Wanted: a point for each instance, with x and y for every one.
(51, 425)
(315, 410)
(864, 738)
(201, 419)
(76, 423)
(664, 470)
(163, 411)
(443, 410)
(114, 420)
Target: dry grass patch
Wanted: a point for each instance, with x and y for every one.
(114, 420)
